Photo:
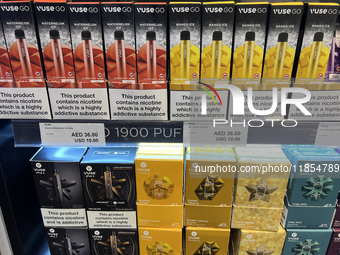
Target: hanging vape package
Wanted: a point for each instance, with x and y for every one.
(68, 241)
(151, 43)
(315, 45)
(118, 20)
(249, 41)
(282, 38)
(217, 31)
(185, 43)
(114, 241)
(58, 182)
(55, 42)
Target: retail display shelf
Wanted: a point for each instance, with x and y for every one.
(28, 133)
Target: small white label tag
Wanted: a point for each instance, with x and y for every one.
(56, 218)
(72, 134)
(112, 219)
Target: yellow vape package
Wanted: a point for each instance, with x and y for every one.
(282, 38)
(256, 218)
(185, 41)
(217, 28)
(169, 216)
(316, 44)
(159, 177)
(207, 216)
(167, 241)
(206, 240)
(209, 179)
(257, 242)
(249, 41)
(261, 182)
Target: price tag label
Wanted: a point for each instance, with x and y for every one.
(199, 134)
(328, 134)
(72, 134)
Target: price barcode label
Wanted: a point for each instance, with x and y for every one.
(72, 134)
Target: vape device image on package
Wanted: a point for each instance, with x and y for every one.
(68, 241)
(55, 42)
(206, 240)
(249, 41)
(160, 241)
(282, 38)
(307, 241)
(120, 48)
(151, 41)
(109, 179)
(217, 31)
(315, 45)
(114, 241)
(57, 177)
(256, 242)
(87, 44)
(21, 40)
(185, 41)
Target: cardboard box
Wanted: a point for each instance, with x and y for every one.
(333, 69)
(256, 218)
(207, 216)
(316, 44)
(119, 43)
(55, 41)
(334, 244)
(297, 216)
(257, 242)
(108, 175)
(160, 240)
(209, 179)
(151, 43)
(57, 179)
(290, 152)
(87, 43)
(206, 240)
(307, 240)
(217, 31)
(114, 241)
(282, 38)
(159, 179)
(72, 241)
(167, 216)
(249, 42)
(336, 218)
(259, 152)
(19, 30)
(185, 41)
(314, 182)
(261, 182)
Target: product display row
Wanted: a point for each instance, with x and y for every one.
(117, 60)
(165, 199)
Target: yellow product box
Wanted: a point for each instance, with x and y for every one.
(168, 216)
(206, 241)
(185, 41)
(165, 241)
(159, 178)
(210, 149)
(172, 150)
(249, 42)
(209, 179)
(261, 182)
(160, 145)
(256, 218)
(257, 242)
(282, 38)
(217, 28)
(207, 216)
(316, 44)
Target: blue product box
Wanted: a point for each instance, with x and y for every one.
(307, 241)
(291, 152)
(306, 217)
(108, 176)
(314, 180)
